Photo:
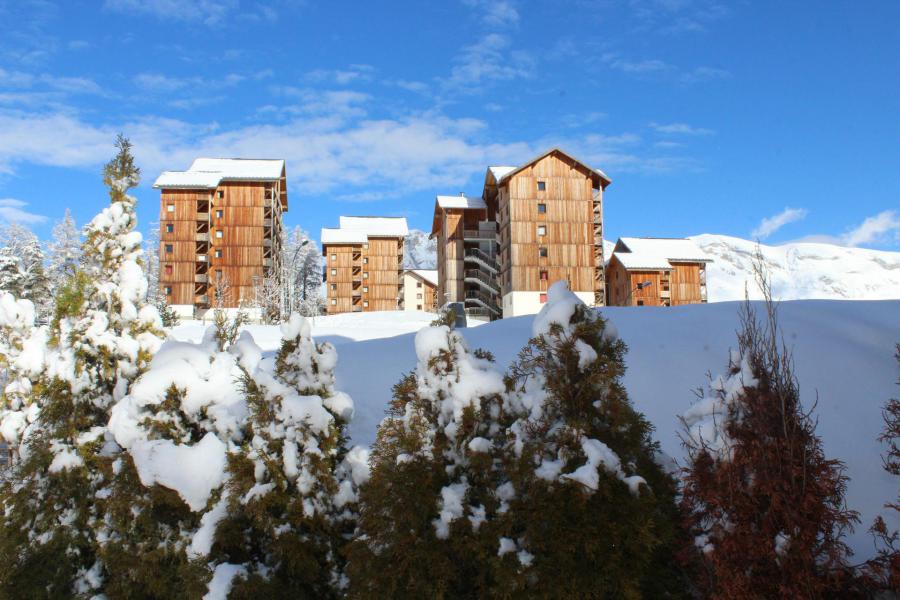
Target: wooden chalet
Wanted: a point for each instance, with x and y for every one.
(656, 272)
(220, 231)
(420, 290)
(533, 225)
(364, 264)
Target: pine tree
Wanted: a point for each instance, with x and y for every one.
(764, 504)
(291, 492)
(587, 510)
(426, 512)
(22, 271)
(303, 274)
(64, 251)
(12, 278)
(101, 339)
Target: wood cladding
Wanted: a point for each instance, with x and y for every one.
(226, 240)
(364, 277)
(684, 284)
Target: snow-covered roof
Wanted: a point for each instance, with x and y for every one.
(208, 173)
(241, 168)
(501, 172)
(377, 226)
(657, 254)
(429, 275)
(332, 235)
(188, 179)
(461, 202)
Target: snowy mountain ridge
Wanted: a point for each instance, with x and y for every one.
(798, 271)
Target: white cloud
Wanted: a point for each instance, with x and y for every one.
(882, 228)
(488, 60)
(770, 225)
(656, 68)
(13, 211)
(496, 13)
(207, 11)
(680, 129)
(352, 74)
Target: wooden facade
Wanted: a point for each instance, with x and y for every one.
(363, 272)
(419, 291)
(535, 225)
(656, 280)
(218, 244)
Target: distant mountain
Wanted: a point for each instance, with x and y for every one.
(420, 252)
(798, 271)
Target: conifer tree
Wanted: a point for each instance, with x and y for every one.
(101, 338)
(12, 279)
(425, 520)
(763, 502)
(290, 499)
(587, 511)
(64, 251)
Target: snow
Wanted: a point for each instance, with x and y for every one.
(559, 308)
(463, 202)
(203, 538)
(222, 581)
(241, 168)
(657, 253)
(193, 471)
(800, 270)
(419, 250)
(429, 275)
(376, 226)
(501, 172)
(331, 235)
(188, 179)
(451, 505)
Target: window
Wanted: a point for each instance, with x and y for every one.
(366, 261)
(544, 276)
(365, 275)
(333, 301)
(542, 252)
(333, 287)
(418, 284)
(169, 228)
(334, 257)
(418, 296)
(542, 230)
(168, 291)
(218, 234)
(168, 269)
(542, 186)
(543, 298)
(170, 208)
(169, 249)
(334, 271)
(218, 274)
(366, 303)
(542, 209)
(366, 289)
(219, 214)
(220, 194)
(418, 307)
(640, 302)
(218, 254)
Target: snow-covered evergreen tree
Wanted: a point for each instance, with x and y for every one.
(22, 270)
(151, 251)
(764, 505)
(290, 500)
(425, 519)
(302, 262)
(586, 509)
(101, 338)
(12, 279)
(64, 251)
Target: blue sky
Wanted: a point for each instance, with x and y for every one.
(778, 120)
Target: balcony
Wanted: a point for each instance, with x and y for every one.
(203, 216)
(482, 279)
(267, 222)
(480, 235)
(484, 301)
(202, 237)
(201, 278)
(202, 258)
(201, 299)
(482, 259)
(267, 242)
(267, 262)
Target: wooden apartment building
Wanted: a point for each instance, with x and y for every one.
(656, 272)
(533, 225)
(420, 290)
(220, 231)
(364, 264)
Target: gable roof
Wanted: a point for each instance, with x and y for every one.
(333, 235)
(501, 174)
(209, 173)
(657, 254)
(428, 275)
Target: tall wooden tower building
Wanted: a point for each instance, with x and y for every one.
(533, 225)
(220, 231)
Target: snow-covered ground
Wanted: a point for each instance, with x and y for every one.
(844, 353)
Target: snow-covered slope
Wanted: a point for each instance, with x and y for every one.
(843, 352)
(801, 270)
(420, 252)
